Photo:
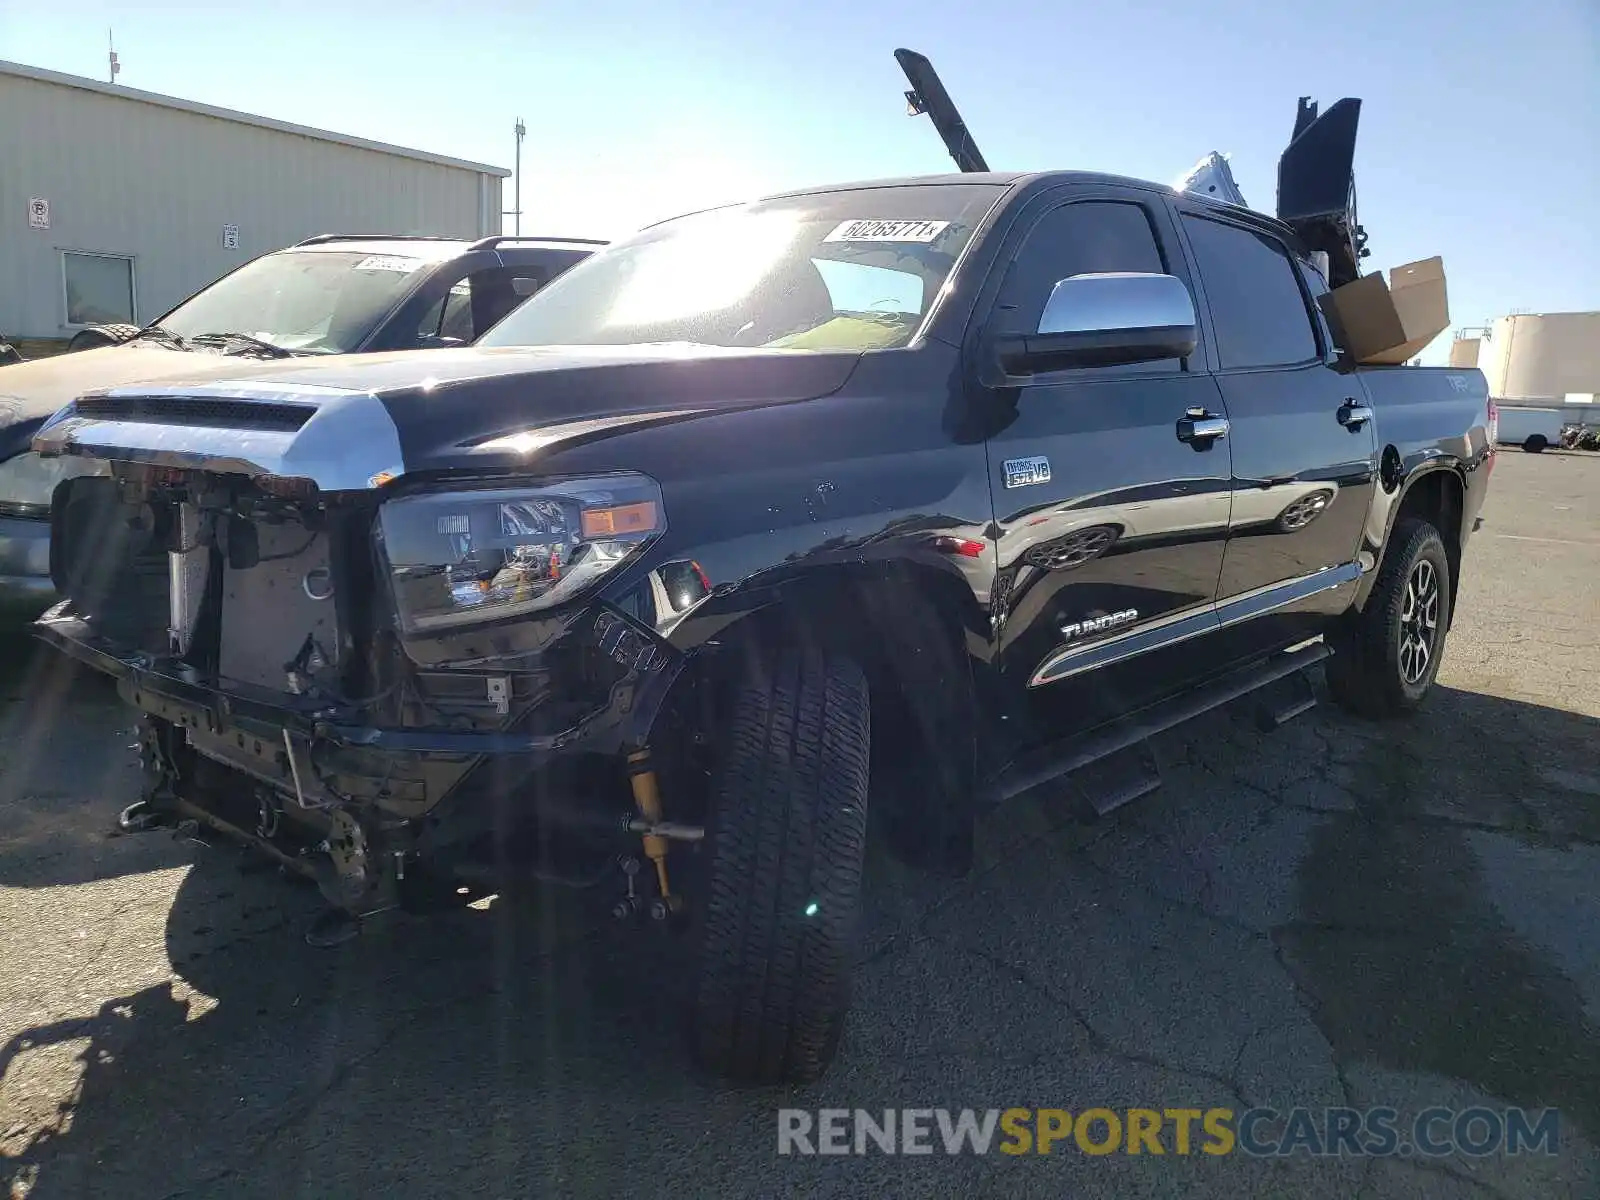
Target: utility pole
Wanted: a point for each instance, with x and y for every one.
(516, 190)
(111, 58)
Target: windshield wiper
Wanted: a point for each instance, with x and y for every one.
(242, 340)
(161, 335)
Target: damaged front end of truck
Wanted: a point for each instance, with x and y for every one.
(355, 669)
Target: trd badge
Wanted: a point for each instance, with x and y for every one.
(1025, 472)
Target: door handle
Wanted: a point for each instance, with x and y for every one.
(1202, 427)
(1353, 415)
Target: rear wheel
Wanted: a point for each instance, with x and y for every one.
(1536, 443)
(787, 840)
(1385, 659)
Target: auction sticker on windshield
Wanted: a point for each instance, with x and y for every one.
(887, 231)
(389, 262)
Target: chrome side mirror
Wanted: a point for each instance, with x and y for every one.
(1106, 319)
(1116, 301)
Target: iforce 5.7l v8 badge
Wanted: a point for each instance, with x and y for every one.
(1025, 472)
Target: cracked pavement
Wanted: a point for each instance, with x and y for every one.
(1338, 913)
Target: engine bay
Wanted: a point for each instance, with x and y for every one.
(280, 598)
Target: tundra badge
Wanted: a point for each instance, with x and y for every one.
(1025, 472)
(1099, 624)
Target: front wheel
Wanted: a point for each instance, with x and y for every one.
(1536, 444)
(1387, 656)
(787, 842)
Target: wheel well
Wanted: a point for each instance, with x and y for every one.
(93, 337)
(907, 626)
(1437, 498)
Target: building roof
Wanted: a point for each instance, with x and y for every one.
(227, 114)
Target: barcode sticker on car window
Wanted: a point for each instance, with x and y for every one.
(388, 262)
(887, 231)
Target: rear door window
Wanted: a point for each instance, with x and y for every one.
(1258, 310)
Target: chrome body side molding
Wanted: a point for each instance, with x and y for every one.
(1170, 631)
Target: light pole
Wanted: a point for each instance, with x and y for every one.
(516, 192)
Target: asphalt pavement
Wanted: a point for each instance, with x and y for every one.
(1338, 914)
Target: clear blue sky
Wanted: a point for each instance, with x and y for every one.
(1480, 134)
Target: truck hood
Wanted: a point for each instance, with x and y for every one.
(356, 422)
(33, 390)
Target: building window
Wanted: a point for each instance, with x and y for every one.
(99, 288)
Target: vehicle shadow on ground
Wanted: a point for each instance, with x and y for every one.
(1441, 924)
(525, 1048)
(64, 736)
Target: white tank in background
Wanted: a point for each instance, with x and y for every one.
(1541, 358)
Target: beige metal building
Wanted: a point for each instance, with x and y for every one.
(115, 204)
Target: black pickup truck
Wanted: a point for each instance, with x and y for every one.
(928, 490)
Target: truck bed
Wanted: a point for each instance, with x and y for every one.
(1421, 411)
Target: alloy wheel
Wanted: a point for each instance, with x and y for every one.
(1419, 621)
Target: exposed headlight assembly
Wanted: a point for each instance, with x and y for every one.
(27, 481)
(460, 557)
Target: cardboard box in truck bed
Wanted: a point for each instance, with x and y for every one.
(1386, 323)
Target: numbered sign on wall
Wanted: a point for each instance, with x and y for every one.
(230, 237)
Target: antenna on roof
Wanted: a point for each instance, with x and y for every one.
(111, 58)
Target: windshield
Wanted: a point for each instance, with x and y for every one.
(311, 301)
(849, 270)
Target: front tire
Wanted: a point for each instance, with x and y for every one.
(1387, 656)
(1536, 444)
(787, 841)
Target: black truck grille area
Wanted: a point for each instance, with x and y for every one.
(187, 410)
